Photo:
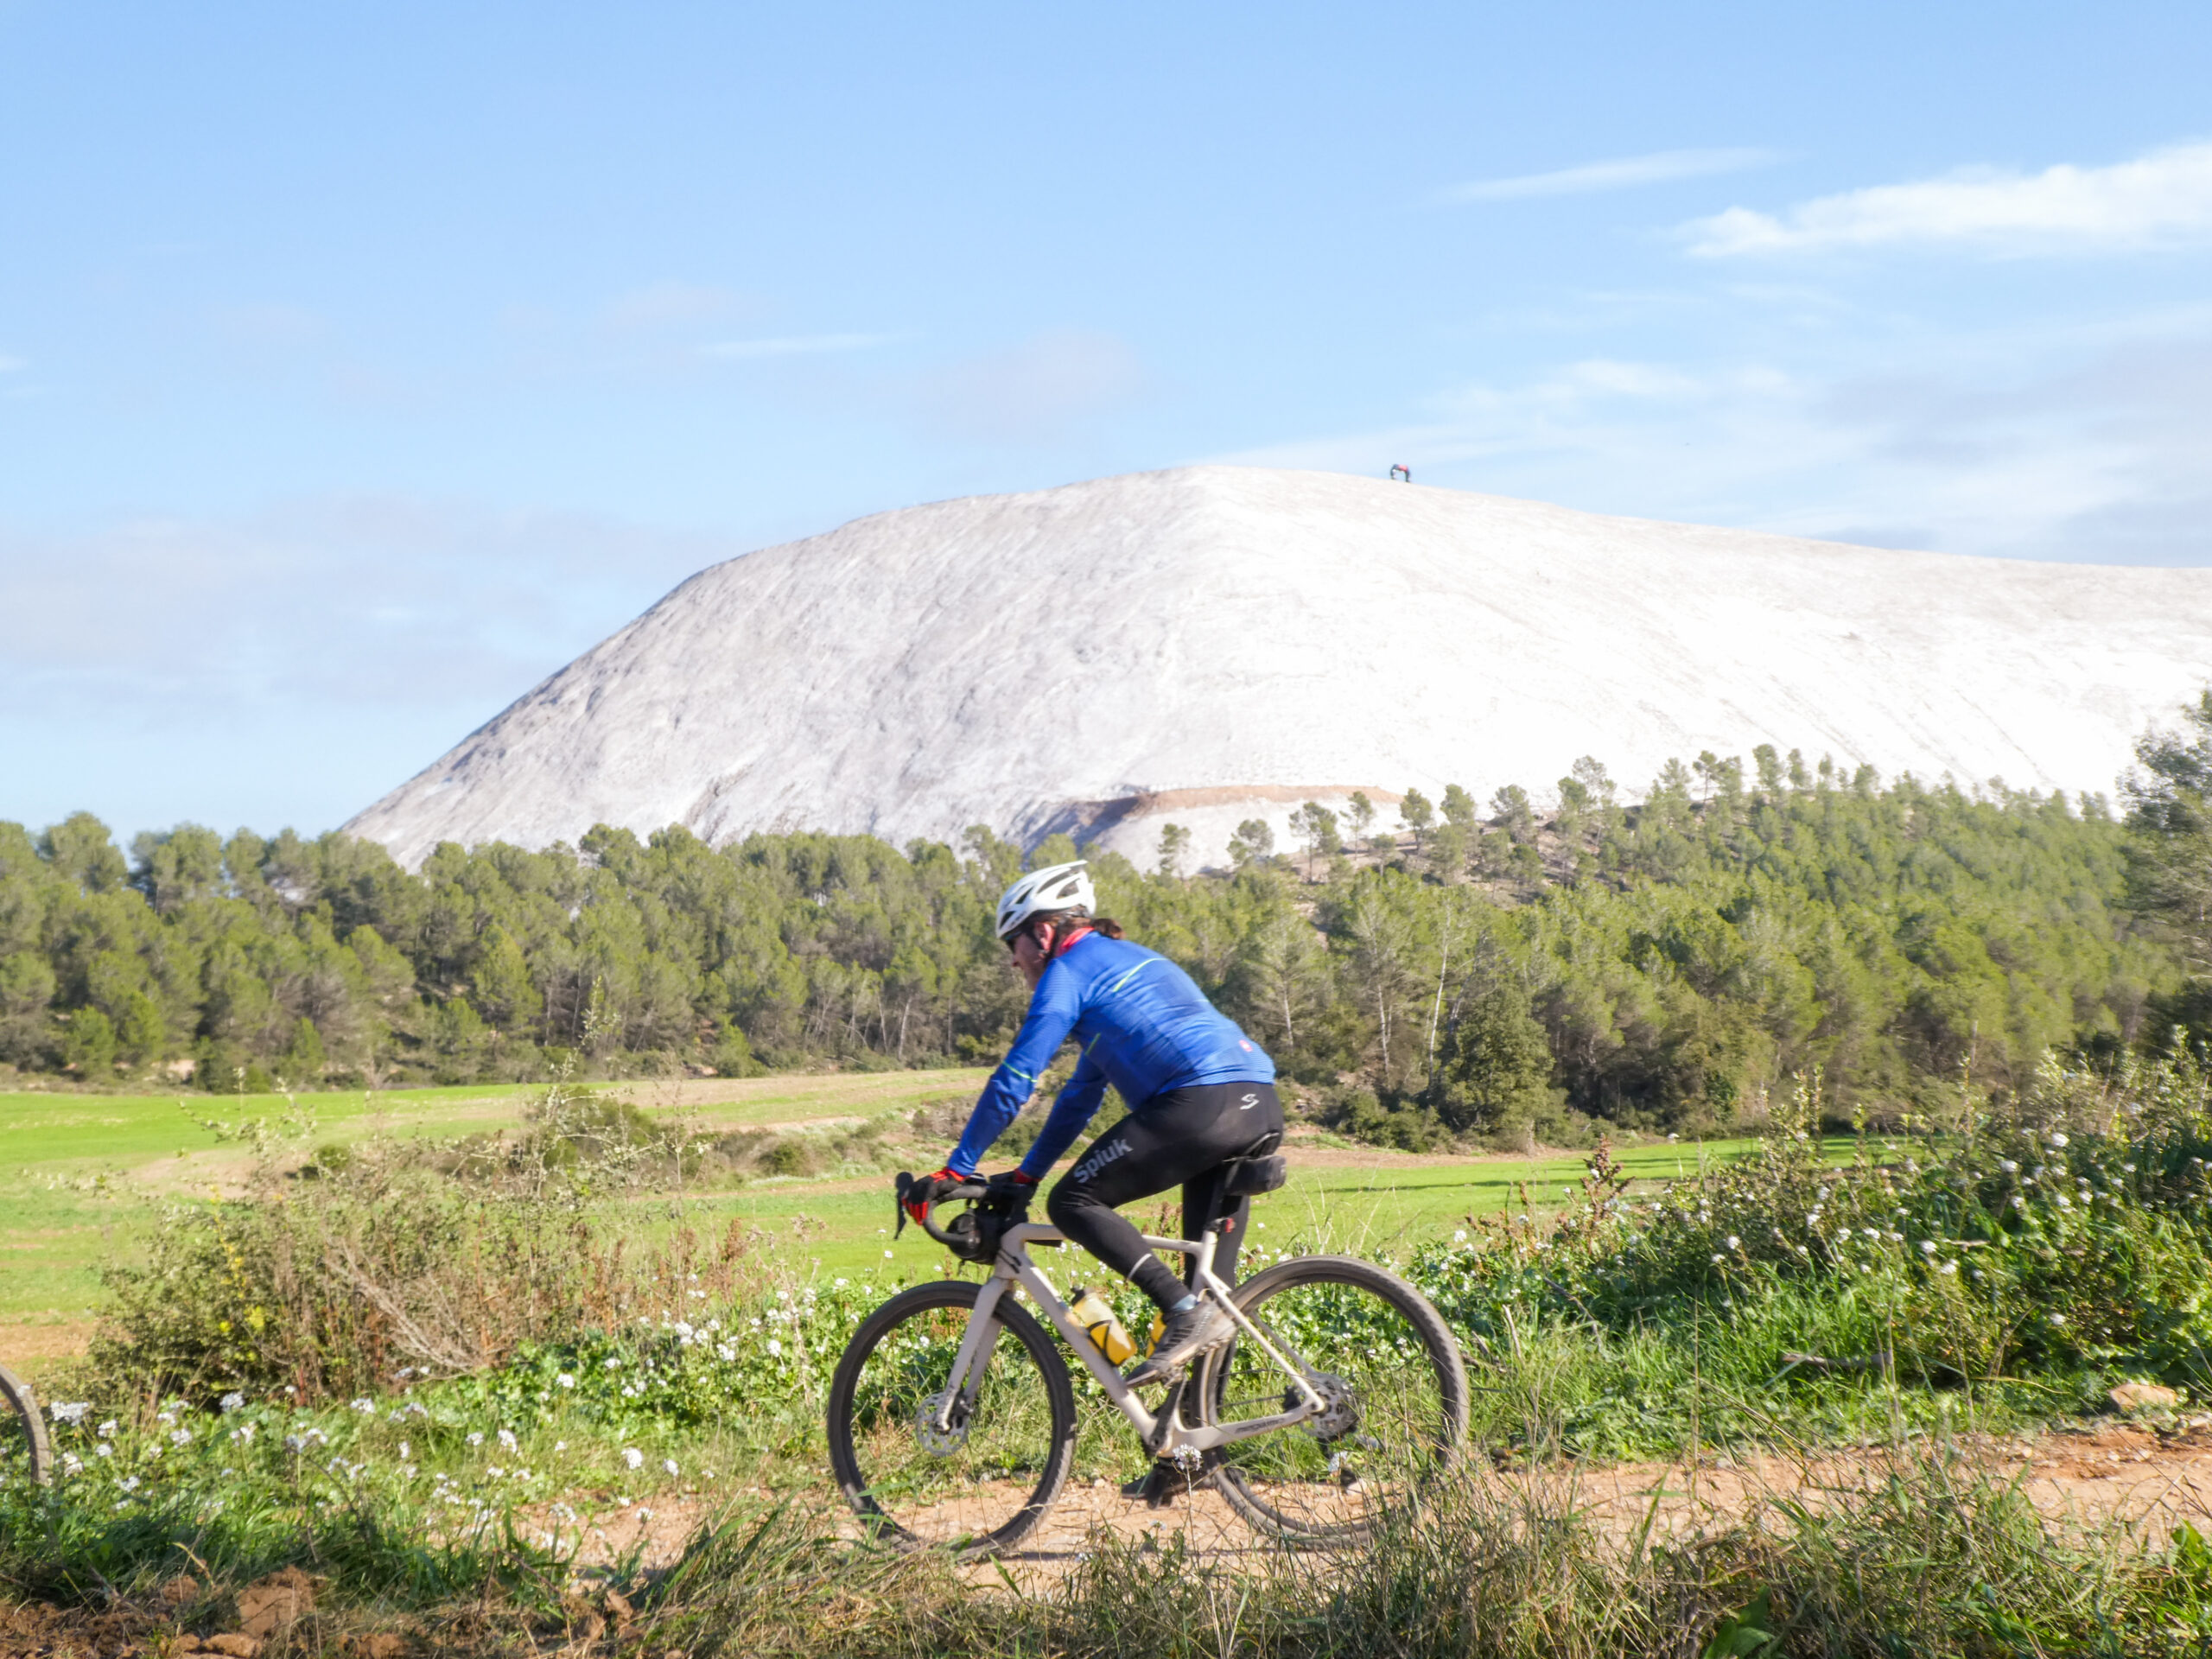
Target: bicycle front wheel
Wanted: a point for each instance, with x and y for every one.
(22, 1430)
(1389, 1370)
(976, 1478)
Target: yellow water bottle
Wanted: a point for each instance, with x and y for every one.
(1096, 1315)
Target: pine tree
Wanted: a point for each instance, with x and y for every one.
(1253, 841)
(1415, 814)
(1494, 1066)
(1174, 848)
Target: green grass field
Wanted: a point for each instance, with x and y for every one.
(80, 1173)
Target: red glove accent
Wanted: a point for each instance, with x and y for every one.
(1019, 1176)
(918, 1207)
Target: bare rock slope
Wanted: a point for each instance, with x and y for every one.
(1218, 643)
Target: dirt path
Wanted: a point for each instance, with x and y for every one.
(2120, 1473)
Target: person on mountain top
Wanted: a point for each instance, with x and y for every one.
(1199, 1093)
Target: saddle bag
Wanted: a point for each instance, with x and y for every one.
(1249, 1177)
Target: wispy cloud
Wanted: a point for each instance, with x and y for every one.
(2165, 196)
(12, 365)
(2089, 448)
(674, 304)
(361, 602)
(797, 345)
(1050, 385)
(1620, 173)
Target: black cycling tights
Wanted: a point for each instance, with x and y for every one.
(1181, 1138)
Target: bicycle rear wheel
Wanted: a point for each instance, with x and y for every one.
(1390, 1371)
(978, 1488)
(22, 1431)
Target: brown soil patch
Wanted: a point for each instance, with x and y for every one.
(2120, 1474)
(2138, 1478)
(25, 1344)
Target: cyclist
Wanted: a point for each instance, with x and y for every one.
(1199, 1093)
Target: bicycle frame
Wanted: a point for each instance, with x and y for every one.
(1165, 1435)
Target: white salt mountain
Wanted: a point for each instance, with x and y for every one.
(1214, 644)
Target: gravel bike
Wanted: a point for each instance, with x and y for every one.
(952, 1415)
(22, 1429)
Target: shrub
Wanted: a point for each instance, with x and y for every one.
(2075, 1232)
(377, 1259)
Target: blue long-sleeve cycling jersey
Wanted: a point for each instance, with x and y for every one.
(1144, 1027)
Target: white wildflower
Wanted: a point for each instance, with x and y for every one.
(231, 1402)
(669, 1464)
(107, 1430)
(507, 1439)
(363, 1404)
(566, 1379)
(129, 1485)
(73, 1411)
(1734, 1242)
(774, 1346)
(180, 1437)
(1927, 1247)
(2056, 1139)
(614, 1363)
(476, 1437)
(634, 1458)
(102, 1450)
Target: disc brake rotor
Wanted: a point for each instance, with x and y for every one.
(941, 1442)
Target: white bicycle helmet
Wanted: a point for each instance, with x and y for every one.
(1057, 886)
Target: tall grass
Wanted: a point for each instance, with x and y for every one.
(1924, 1553)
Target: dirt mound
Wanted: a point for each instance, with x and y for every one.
(1242, 640)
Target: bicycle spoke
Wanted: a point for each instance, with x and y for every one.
(966, 1473)
(1393, 1399)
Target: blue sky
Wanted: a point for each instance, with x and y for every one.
(359, 365)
